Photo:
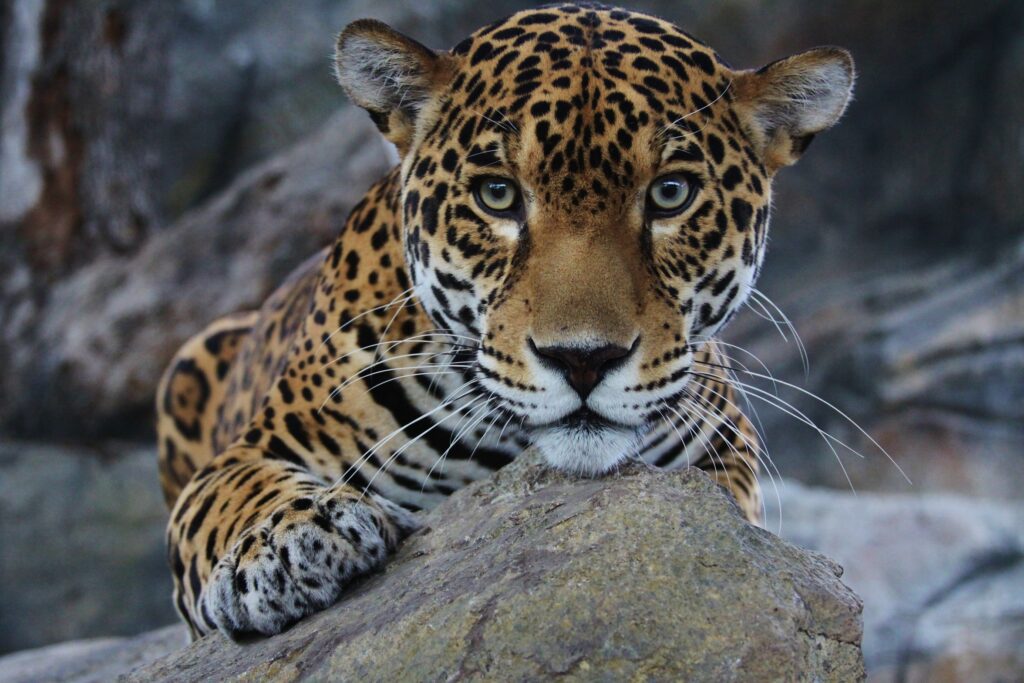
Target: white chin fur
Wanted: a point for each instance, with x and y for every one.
(588, 451)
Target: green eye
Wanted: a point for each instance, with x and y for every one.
(497, 195)
(669, 194)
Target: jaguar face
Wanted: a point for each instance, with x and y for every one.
(586, 198)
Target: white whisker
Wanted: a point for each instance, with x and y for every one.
(795, 413)
(839, 412)
(792, 329)
(755, 451)
(401, 295)
(401, 449)
(380, 442)
(458, 437)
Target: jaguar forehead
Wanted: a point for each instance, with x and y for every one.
(571, 89)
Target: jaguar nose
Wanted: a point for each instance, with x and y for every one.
(583, 366)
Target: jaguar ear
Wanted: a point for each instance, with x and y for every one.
(786, 103)
(389, 75)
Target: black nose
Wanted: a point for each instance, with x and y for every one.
(585, 366)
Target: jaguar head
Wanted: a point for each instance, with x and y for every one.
(586, 195)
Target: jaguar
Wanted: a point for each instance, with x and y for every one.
(581, 204)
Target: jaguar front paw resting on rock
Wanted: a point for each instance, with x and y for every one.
(300, 560)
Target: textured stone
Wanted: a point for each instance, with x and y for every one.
(90, 661)
(643, 575)
(941, 576)
(928, 362)
(81, 543)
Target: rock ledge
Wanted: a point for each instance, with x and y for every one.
(641, 575)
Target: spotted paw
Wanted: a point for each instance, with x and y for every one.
(299, 560)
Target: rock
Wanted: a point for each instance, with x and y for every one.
(81, 543)
(112, 326)
(928, 362)
(91, 661)
(942, 578)
(529, 576)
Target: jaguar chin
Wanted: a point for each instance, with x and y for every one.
(587, 447)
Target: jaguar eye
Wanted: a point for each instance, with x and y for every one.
(497, 195)
(669, 194)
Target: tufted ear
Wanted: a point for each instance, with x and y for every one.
(389, 75)
(786, 103)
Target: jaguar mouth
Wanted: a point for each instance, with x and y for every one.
(583, 419)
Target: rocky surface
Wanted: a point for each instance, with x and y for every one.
(108, 322)
(942, 578)
(81, 543)
(91, 661)
(929, 362)
(165, 162)
(528, 576)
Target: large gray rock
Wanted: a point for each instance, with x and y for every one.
(111, 327)
(942, 578)
(528, 576)
(98, 660)
(929, 362)
(81, 543)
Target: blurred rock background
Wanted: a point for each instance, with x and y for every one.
(163, 163)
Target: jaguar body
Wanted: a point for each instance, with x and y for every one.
(582, 204)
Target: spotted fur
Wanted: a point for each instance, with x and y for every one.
(435, 339)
